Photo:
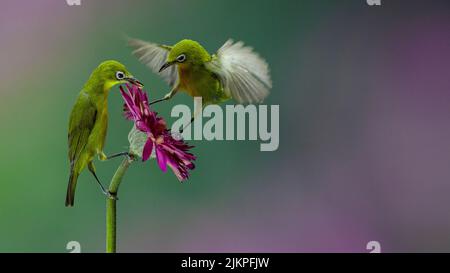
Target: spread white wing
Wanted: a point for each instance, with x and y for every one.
(154, 56)
(244, 74)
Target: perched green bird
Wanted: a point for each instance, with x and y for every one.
(235, 71)
(89, 121)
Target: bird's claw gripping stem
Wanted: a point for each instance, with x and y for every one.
(112, 196)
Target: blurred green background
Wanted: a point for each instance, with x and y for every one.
(363, 95)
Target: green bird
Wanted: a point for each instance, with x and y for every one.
(89, 121)
(235, 71)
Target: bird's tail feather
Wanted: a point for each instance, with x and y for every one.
(70, 196)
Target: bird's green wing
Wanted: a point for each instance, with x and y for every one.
(82, 121)
(154, 56)
(243, 73)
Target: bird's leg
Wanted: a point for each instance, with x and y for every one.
(105, 192)
(168, 96)
(104, 157)
(127, 154)
(196, 113)
(185, 126)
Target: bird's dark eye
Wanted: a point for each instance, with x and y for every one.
(120, 75)
(181, 58)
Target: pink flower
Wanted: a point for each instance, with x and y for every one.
(169, 151)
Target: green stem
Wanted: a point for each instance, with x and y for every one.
(111, 205)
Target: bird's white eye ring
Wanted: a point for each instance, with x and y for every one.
(181, 58)
(120, 75)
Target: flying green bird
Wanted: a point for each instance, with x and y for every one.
(89, 121)
(235, 71)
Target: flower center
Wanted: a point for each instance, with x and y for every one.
(160, 140)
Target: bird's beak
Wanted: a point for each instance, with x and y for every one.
(134, 81)
(165, 66)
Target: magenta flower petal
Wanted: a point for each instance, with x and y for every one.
(142, 126)
(169, 151)
(128, 103)
(162, 159)
(147, 151)
(181, 177)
